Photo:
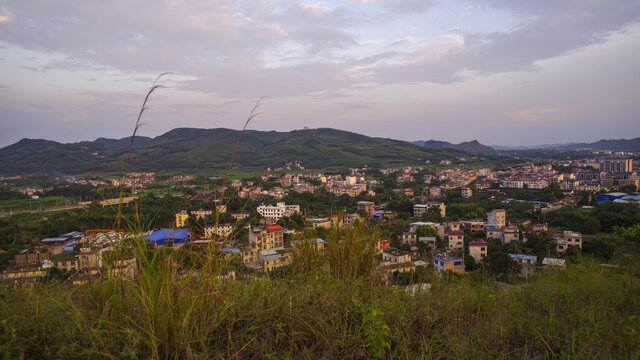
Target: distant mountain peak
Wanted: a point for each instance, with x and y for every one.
(473, 146)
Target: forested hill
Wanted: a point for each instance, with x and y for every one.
(184, 149)
(467, 146)
(621, 145)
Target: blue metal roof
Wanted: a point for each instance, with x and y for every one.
(231, 250)
(56, 239)
(69, 246)
(522, 256)
(71, 234)
(446, 260)
(177, 236)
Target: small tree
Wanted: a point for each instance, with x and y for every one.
(501, 264)
(425, 231)
(469, 262)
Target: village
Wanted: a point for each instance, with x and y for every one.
(260, 240)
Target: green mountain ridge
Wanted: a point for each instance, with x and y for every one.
(185, 149)
(473, 146)
(608, 144)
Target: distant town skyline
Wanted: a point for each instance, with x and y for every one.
(510, 73)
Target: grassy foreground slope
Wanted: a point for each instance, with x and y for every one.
(584, 312)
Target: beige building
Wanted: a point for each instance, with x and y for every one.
(510, 234)
(409, 238)
(200, 214)
(455, 239)
(527, 264)
(31, 257)
(263, 238)
(447, 263)
(349, 219)
(497, 218)
(240, 216)
(429, 240)
(420, 209)
(395, 261)
(478, 249)
(181, 218)
(88, 258)
(26, 274)
(367, 206)
(396, 256)
(222, 230)
(475, 225)
(66, 263)
(273, 258)
(568, 238)
(494, 234)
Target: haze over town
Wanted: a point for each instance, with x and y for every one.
(502, 72)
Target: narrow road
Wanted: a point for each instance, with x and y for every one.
(551, 208)
(5, 214)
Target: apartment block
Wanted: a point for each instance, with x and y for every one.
(277, 211)
(497, 219)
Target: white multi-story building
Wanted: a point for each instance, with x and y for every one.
(514, 184)
(277, 211)
(420, 209)
(536, 184)
(220, 230)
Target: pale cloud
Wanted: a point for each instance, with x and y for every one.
(327, 53)
(538, 115)
(403, 41)
(409, 6)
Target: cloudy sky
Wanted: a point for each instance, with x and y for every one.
(506, 72)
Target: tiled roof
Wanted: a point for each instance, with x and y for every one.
(479, 243)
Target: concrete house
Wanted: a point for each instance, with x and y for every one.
(455, 239)
(367, 206)
(568, 238)
(527, 264)
(448, 263)
(510, 234)
(478, 249)
(409, 238)
(497, 219)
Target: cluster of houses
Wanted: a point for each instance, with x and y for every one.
(451, 257)
(266, 248)
(350, 185)
(606, 173)
(78, 252)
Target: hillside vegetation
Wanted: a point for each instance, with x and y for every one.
(585, 312)
(185, 149)
(606, 144)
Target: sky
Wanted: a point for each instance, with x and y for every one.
(504, 72)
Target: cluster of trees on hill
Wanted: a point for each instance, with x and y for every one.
(603, 217)
(7, 194)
